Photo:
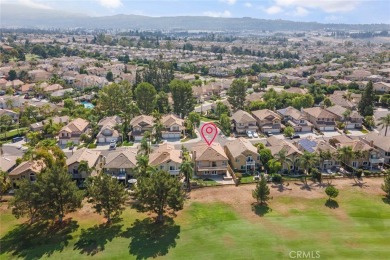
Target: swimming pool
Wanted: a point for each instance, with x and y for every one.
(87, 104)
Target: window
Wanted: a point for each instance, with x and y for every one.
(258, 157)
(172, 168)
(213, 164)
(365, 163)
(161, 167)
(387, 153)
(121, 170)
(224, 163)
(237, 160)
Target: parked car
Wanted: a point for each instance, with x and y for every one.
(249, 134)
(268, 133)
(17, 139)
(295, 136)
(113, 144)
(255, 135)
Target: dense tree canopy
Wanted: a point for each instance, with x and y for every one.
(183, 100)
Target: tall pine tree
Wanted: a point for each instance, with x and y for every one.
(366, 104)
(261, 192)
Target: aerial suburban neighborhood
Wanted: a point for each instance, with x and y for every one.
(195, 128)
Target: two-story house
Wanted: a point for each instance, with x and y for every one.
(369, 156)
(107, 132)
(209, 159)
(351, 119)
(141, 124)
(379, 142)
(295, 118)
(267, 120)
(320, 118)
(26, 170)
(167, 158)
(10, 113)
(121, 164)
(243, 155)
(91, 157)
(243, 122)
(73, 131)
(173, 127)
(291, 152)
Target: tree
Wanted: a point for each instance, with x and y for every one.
(369, 121)
(158, 127)
(265, 155)
(274, 166)
(183, 100)
(316, 174)
(27, 200)
(282, 157)
(327, 102)
(307, 161)
(187, 169)
(366, 104)
(159, 194)
(65, 197)
(162, 103)
(311, 80)
(261, 192)
(225, 123)
(304, 101)
(386, 186)
(288, 131)
(84, 167)
(69, 103)
(332, 192)
(385, 122)
(194, 118)
(115, 99)
(237, 94)
(145, 95)
(12, 75)
(107, 195)
(345, 154)
(5, 183)
(110, 76)
(221, 108)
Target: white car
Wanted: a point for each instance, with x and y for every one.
(255, 135)
(249, 134)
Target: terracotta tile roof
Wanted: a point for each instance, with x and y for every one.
(84, 154)
(165, 153)
(239, 146)
(242, 117)
(125, 159)
(214, 152)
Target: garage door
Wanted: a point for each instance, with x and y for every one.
(101, 140)
(329, 128)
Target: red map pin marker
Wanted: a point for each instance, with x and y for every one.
(209, 131)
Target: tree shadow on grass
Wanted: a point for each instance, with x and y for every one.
(260, 209)
(360, 184)
(150, 239)
(386, 200)
(94, 239)
(332, 204)
(281, 187)
(38, 240)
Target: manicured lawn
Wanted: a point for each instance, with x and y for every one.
(205, 119)
(356, 227)
(14, 132)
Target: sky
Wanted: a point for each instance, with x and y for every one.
(323, 11)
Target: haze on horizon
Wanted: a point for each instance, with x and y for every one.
(322, 11)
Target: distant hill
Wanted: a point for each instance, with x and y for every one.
(17, 16)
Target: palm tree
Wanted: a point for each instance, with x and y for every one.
(345, 154)
(282, 157)
(70, 144)
(144, 147)
(324, 155)
(84, 167)
(143, 168)
(385, 122)
(308, 161)
(187, 169)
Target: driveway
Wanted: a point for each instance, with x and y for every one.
(330, 133)
(354, 132)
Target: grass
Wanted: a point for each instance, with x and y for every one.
(355, 227)
(126, 143)
(364, 131)
(13, 133)
(205, 119)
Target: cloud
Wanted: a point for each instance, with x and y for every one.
(328, 6)
(300, 11)
(217, 14)
(247, 4)
(274, 9)
(110, 3)
(229, 2)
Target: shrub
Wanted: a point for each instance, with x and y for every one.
(91, 146)
(359, 173)
(367, 173)
(276, 178)
(331, 191)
